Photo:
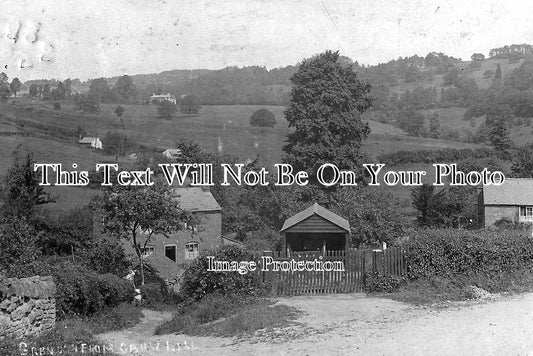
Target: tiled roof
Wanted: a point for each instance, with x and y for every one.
(163, 266)
(316, 209)
(514, 191)
(196, 199)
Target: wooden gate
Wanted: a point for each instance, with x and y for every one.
(324, 279)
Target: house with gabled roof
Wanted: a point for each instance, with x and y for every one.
(168, 256)
(94, 142)
(512, 200)
(315, 229)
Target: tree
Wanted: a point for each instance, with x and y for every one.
(15, 86)
(166, 110)
(5, 92)
(117, 144)
(119, 111)
(523, 163)
(327, 100)
(498, 121)
(476, 57)
(46, 92)
(125, 89)
(22, 192)
(19, 248)
(373, 215)
(128, 211)
(498, 73)
(99, 91)
(34, 90)
(263, 117)
(189, 105)
(434, 126)
(430, 205)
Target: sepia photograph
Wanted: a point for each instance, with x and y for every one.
(266, 177)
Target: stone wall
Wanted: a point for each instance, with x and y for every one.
(27, 306)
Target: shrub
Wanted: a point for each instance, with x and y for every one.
(450, 253)
(57, 106)
(374, 282)
(263, 117)
(198, 281)
(81, 291)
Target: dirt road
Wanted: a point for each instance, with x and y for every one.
(354, 324)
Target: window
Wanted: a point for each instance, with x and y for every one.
(171, 251)
(191, 250)
(526, 211)
(147, 251)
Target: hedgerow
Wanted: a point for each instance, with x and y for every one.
(432, 156)
(490, 257)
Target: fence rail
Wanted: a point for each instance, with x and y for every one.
(356, 264)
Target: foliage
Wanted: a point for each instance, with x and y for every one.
(87, 103)
(14, 86)
(431, 156)
(166, 110)
(198, 282)
(5, 92)
(450, 252)
(125, 90)
(22, 192)
(19, 246)
(372, 213)
(189, 105)
(523, 162)
(119, 110)
(263, 117)
(498, 120)
(129, 210)
(327, 100)
(412, 122)
(375, 282)
(117, 144)
(57, 106)
(430, 204)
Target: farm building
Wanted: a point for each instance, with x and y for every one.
(512, 201)
(315, 229)
(172, 153)
(159, 98)
(94, 142)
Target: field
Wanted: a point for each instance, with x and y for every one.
(31, 127)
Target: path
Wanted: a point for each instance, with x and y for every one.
(353, 324)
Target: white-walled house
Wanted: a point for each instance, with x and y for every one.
(94, 142)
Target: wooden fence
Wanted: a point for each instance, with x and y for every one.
(326, 276)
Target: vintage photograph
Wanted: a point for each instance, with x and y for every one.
(266, 177)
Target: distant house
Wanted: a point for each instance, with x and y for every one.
(159, 98)
(172, 153)
(168, 256)
(315, 229)
(94, 142)
(513, 200)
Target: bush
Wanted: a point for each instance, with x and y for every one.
(81, 291)
(263, 118)
(198, 281)
(57, 106)
(374, 282)
(450, 253)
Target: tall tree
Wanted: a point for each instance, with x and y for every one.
(499, 119)
(189, 105)
(327, 100)
(15, 86)
(125, 89)
(22, 192)
(136, 214)
(523, 162)
(430, 205)
(5, 92)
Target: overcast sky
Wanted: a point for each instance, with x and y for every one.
(88, 39)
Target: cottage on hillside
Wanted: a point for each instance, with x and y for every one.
(168, 256)
(513, 201)
(315, 229)
(172, 153)
(94, 142)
